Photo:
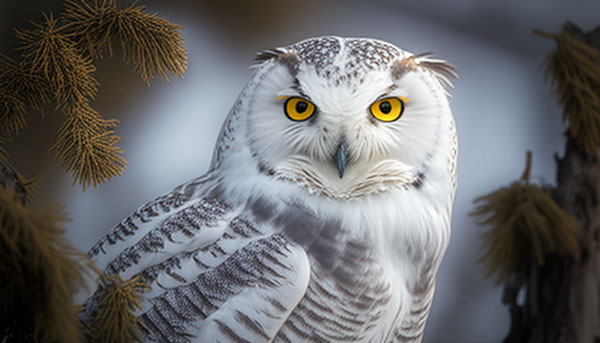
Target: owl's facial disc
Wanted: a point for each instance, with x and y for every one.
(346, 119)
(336, 140)
(342, 140)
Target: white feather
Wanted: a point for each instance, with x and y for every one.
(291, 274)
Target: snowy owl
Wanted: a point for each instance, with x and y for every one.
(324, 215)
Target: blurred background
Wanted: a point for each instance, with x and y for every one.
(501, 103)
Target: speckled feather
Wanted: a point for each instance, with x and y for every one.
(271, 245)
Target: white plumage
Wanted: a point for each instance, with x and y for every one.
(323, 217)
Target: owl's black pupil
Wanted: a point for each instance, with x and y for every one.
(385, 107)
(301, 106)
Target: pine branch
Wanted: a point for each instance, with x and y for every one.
(85, 145)
(39, 273)
(544, 241)
(19, 90)
(525, 225)
(57, 63)
(48, 51)
(115, 322)
(152, 44)
(574, 68)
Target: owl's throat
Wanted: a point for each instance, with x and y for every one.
(359, 179)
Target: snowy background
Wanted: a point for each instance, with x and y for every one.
(501, 103)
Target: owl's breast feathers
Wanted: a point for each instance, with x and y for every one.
(256, 272)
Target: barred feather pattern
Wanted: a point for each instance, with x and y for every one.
(330, 312)
(192, 284)
(243, 254)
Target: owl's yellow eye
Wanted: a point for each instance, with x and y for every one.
(388, 109)
(298, 109)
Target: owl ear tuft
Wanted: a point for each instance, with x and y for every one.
(266, 55)
(285, 57)
(441, 69)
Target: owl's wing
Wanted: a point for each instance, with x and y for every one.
(215, 275)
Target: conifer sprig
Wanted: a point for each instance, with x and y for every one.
(152, 44)
(20, 90)
(57, 64)
(48, 51)
(574, 68)
(86, 146)
(525, 225)
(39, 273)
(115, 321)
(39, 270)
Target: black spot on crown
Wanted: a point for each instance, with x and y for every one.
(318, 52)
(369, 54)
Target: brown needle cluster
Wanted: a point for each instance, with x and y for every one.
(20, 91)
(115, 322)
(574, 67)
(57, 64)
(525, 225)
(39, 273)
(152, 44)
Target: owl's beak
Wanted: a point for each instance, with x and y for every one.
(341, 158)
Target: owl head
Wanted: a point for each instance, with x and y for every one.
(343, 117)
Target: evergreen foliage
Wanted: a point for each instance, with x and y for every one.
(39, 273)
(152, 44)
(115, 322)
(574, 68)
(542, 241)
(525, 226)
(57, 63)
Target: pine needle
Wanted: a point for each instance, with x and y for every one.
(57, 63)
(525, 225)
(85, 145)
(115, 322)
(39, 273)
(152, 44)
(574, 67)
(19, 91)
(49, 51)
(12, 114)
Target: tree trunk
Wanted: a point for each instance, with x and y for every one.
(578, 192)
(562, 298)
